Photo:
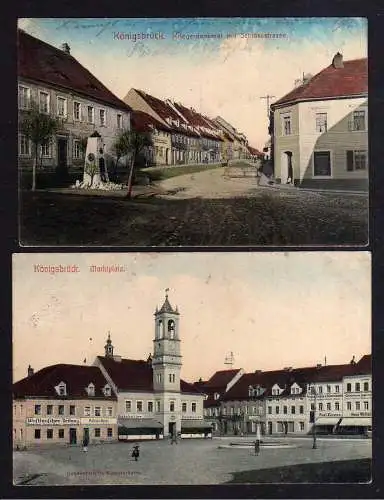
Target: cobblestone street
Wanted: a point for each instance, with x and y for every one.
(188, 462)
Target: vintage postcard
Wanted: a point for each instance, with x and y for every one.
(254, 367)
(193, 132)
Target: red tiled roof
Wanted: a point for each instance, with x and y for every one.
(39, 61)
(76, 378)
(220, 379)
(197, 120)
(254, 151)
(350, 80)
(136, 375)
(143, 122)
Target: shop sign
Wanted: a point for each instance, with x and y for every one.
(98, 421)
(361, 414)
(52, 421)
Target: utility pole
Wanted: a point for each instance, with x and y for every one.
(268, 98)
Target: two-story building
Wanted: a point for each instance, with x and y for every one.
(152, 399)
(320, 129)
(61, 404)
(53, 81)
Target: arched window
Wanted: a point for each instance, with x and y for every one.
(171, 329)
(160, 329)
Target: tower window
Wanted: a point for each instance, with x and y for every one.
(171, 329)
(172, 377)
(160, 329)
(158, 377)
(171, 406)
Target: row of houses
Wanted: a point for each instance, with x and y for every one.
(53, 80)
(319, 130)
(334, 398)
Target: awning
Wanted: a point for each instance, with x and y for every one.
(356, 422)
(139, 423)
(195, 424)
(327, 420)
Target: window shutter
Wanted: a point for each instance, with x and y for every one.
(349, 161)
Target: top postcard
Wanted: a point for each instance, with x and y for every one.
(214, 132)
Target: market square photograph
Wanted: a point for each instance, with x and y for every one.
(162, 132)
(128, 368)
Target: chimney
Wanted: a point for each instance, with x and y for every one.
(319, 365)
(337, 61)
(65, 48)
(258, 371)
(30, 371)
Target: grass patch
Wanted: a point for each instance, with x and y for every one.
(345, 471)
(163, 173)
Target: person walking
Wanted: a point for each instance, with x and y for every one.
(85, 442)
(136, 452)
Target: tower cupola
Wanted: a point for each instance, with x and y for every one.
(108, 348)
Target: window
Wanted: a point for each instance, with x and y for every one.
(287, 125)
(329, 406)
(357, 387)
(357, 160)
(328, 388)
(358, 122)
(72, 410)
(277, 409)
(77, 152)
(184, 407)
(293, 410)
(97, 411)
(24, 146)
(61, 433)
(301, 424)
(366, 386)
(61, 409)
(45, 150)
(62, 390)
(337, 406)
(119, 121)
(357, 405)
(24, 97)
(193, 407)
(366, 405)
(37, 433)
(158, 377)
(301, 409)
(172, 377)
(285, 410)
(349, 387)
(61, 106)
(337, 388)
(97, 432)
(349, 405)
(128, 406)
(91, 114)
(171, 406)
(320, 406)
(109, 411)
(139, 406)
(44, 102)
(321, 122)
(49, 409)
(322, 164)
(107, 390)
(109, 432)
(49, 433)
(37, 409)
(269, 410)
(91, 389)
(102, 117)
(150, 406)
(158, 406)
(320, 389)
(76, 111)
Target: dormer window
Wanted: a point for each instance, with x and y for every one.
(276, 390)
(216, 396)
(295, 389)
(107, 390)
(61, 389)
(90, 389)
(250, 391)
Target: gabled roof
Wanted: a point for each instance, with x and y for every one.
(136, 375)
(331, 82)
(143, 122)
(254, 151)
(41, 62)
(197, 120)
(76, 378)
(220, 379)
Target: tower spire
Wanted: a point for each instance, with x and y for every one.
(108, 348)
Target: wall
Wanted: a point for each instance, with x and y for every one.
(284, 143)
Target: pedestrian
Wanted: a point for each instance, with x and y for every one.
(136, 452)
(85, 442)
(257, 446)
(174, 438)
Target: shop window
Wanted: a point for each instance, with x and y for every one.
(97, 432)
(49, 433)
(61, 433)
(109, 432)
(37, 433)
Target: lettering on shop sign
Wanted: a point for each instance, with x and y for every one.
(52, 421)
(98, 420)
(361, 414)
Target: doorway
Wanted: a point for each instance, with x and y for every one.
(86, 434)
(287, 168)
(172, 428)
(269, 427)
(62, 153)
(72, 436)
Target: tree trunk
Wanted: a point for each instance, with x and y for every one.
(34, 171)
(130, 178)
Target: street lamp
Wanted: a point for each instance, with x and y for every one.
(313, 415)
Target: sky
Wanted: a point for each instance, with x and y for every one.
(271, 310)
(223, 75)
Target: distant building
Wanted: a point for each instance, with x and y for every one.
(319, 130)
(53, 80)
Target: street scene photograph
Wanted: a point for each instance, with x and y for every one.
(169, 132)
(191, 368)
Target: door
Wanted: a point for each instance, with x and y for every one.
(72, 436)
(269, 427)
(86, 434)
(61, 153)
(286, 168)
(172, 428)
